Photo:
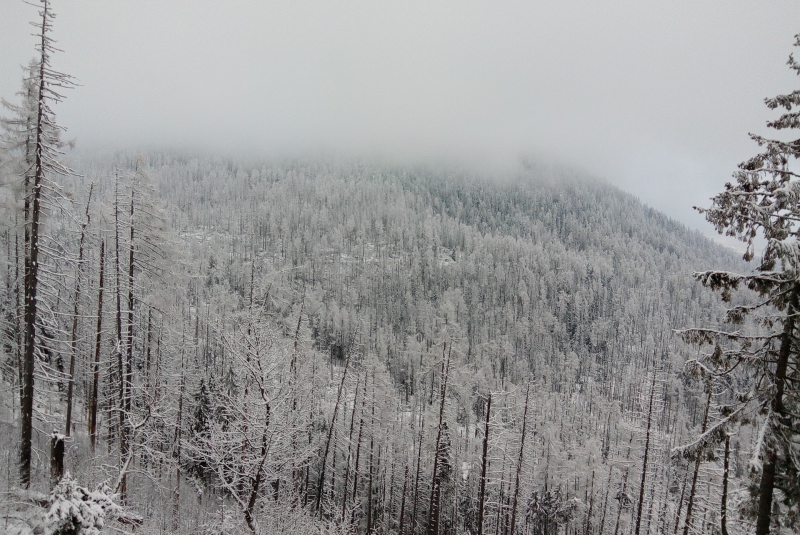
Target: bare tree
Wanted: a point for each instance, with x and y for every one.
(46, 151)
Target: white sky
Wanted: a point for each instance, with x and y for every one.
(655, 96)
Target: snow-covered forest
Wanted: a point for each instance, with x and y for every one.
(200, 344)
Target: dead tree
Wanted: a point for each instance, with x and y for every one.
(646, 452)
(45, 163)
(436, 483)
(519, 463)
(97, 344)
(484, 465)
(74, 337)
(689, 506)
(321, 482)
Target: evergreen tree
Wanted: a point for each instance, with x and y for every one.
(764, 203)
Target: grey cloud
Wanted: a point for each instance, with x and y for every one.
(656, 97)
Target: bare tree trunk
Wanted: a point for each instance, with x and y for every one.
(74, 338)
(350, 445)
(416, 478)
(321, 482)
(149, 342)
(120, 371)
(680, 502)
(20, 326)
(605, 501)
(251, 502)
(646, 452)
(436, 483)
(484, 465)
(125, 432)
(519, 463)
(403, 501)
(619, 511)
(32, 274)
(371, 458)
(97, 343)
(358, 441)
(689, 506)
(591, 507)
(176, 495)
(723, 513)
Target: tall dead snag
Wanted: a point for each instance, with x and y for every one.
(350, 445)
(723, 506)
(484, 464)
(358, 443)
(400, 530)
(118, 375)
(436, 483)
(321, 482)
(646, 452)
(688, 522)
(45, 164)
(416, 477)
(176, 494)
(591, 505)
(127, 377)
(519, 462)
(370, 483)
(97, 344)
(74, 337)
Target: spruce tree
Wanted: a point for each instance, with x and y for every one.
(763, 206)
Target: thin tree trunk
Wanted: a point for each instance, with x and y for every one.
(689, 506)
(358, 441)
(19, 320)
(251, 502)
(651, 505)
(416, 477)
(350, 445)
(97, 343)
(436, 483)
(646, 452)
(403, 501)
(371, 458)
(125, 432)
(74, 338)
(591, 507)
(605, 501)
(484, 465)
(519, 463)
(120, 371)
(176, 495)
(149, 341)
(622, 497)
(723, 513)
(321, 482)
(680, 502)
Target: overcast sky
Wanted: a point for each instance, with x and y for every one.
(655, 96)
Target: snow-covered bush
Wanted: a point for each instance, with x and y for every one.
(76, 510)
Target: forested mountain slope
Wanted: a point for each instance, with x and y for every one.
(527, 270)
(317, 341)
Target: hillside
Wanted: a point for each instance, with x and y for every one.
(370, 311)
